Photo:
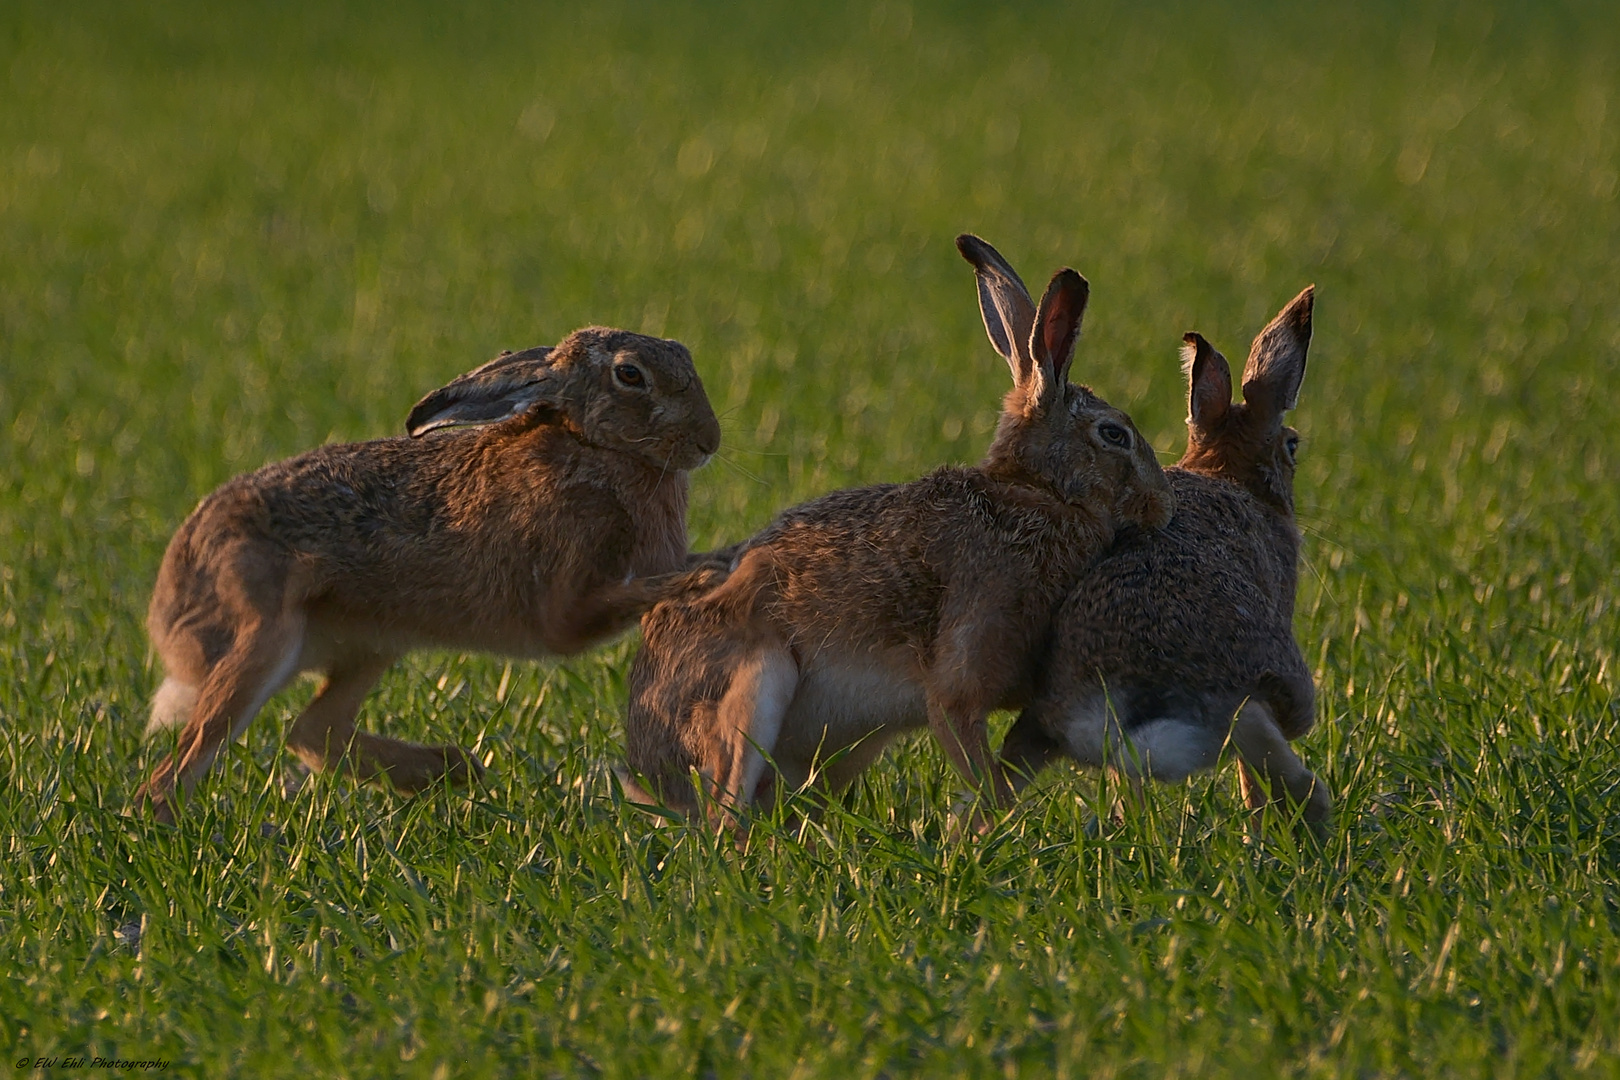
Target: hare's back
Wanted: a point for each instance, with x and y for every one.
(869, 567)
(304, 505)
(855, 559)
(1259, 545)
(244, 540)
(394, 522)
(844, 515)
(1197, 604)
(360, 490)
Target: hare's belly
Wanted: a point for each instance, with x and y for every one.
(842, 703)
(336, 633)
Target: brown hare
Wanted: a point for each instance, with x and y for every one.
(551, 523)
(873, 611)
(1177, 639)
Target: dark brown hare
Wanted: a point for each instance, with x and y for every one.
(1180, 639)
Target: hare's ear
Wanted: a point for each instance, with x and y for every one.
(511, 384)
(1209, 381)
(1276, 364)
(1003, 301)
(1057, 330)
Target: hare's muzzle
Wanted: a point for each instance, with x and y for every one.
(705, 440)
(693, 451)
(708, 440)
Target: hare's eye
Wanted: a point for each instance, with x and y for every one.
(1292, 446)
(629, 375)
(1114, 435)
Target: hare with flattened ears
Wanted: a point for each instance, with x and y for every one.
(873, 611)
(1176, 641)
(549, 523)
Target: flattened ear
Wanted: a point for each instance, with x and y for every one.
(1057, 328)
(509, 385)
(1276, 364)
(1003, 302)
(1209, 381)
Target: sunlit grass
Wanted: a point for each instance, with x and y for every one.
(231, 234)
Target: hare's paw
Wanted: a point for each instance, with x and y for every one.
(156, 795)
(464, 769)
(412, 767)
(158, 804)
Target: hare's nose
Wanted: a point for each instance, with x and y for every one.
(708, 436)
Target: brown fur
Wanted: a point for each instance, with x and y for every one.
(551, 525)
(872, 611)
(1172, 635)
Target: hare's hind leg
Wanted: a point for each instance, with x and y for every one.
(261, 660)
(1250, 787)
(748, 722)
(324, 737)
(1271, 771)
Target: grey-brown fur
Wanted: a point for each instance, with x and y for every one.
(1179, 639)
(869, 612)
(551, 523)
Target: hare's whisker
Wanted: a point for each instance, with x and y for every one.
(734, 467)
(1320, 579)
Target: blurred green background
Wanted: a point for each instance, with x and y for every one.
(232, 232)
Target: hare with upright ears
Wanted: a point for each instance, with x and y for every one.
(551, 522)
(1177, 640)
(873, 611)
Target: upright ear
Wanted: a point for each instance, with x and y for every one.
(1276, 364)
(510, 384)
(1057, 329)
(1003, 301)
(1209, 381)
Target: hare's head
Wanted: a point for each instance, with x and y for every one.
(1247, 442)
(627, 392)
(1051, 431)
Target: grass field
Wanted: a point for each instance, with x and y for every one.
(229, 233)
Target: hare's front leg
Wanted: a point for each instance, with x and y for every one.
(1027, 750)
(970, 674)
(960, 723)
(580, 617)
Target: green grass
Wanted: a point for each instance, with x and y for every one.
(231, 233)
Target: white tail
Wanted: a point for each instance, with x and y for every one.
(171, 705)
